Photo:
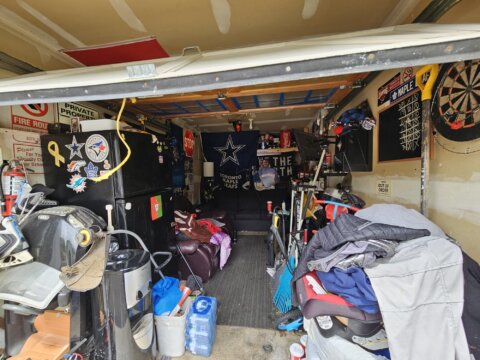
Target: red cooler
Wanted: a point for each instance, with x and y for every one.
(285, 138)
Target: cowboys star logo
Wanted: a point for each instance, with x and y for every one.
(229, 151)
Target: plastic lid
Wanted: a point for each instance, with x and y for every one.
(34, 284)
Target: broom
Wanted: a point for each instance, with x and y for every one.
(283, 295)
(282, 299)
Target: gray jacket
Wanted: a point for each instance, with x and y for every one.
(348, 228)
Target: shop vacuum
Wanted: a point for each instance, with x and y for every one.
(122, 308)
(112, 322)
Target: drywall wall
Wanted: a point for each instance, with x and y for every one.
(454, 196)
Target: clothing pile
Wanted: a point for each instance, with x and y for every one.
(206, 231)
(391, 262)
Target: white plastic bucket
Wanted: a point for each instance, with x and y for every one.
(143, 332)
(171, 332)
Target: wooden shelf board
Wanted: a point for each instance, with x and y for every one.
(270, 152)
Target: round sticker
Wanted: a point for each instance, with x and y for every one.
(96, 148)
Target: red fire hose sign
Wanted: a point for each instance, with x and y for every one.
(32, 117)
(37, 110)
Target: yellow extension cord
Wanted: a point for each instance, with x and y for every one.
(129, 152)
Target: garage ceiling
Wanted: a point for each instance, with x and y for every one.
(34, 32)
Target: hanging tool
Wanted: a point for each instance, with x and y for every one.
(426, 90)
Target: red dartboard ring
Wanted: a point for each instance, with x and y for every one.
(456, 101)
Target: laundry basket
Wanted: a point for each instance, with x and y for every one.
(171, 332)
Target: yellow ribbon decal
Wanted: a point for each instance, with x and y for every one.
(53, 150)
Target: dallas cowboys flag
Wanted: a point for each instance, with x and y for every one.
(234, 154)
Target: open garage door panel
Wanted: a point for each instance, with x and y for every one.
(343, 54)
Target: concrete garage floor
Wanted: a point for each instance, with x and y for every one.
(243, 343)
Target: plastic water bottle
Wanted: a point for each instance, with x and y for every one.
(200, 329)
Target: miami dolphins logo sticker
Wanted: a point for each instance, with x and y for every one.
(77, 183)
(96, 148)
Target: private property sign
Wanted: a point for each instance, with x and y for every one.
(32, 117)
(66, 111)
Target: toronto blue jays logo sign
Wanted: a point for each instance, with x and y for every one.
(96, 148)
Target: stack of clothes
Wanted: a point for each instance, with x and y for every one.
(390, 263)
(206, 231)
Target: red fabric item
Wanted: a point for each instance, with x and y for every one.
(190, 227)
(121, 52)
(210, 226)
(338, 130)
(330, 211)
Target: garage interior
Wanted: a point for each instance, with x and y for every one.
(197, 85)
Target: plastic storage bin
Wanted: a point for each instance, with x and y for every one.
(171, 332)
(201, 326)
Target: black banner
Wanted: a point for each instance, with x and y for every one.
(284, 163)
(234, 155)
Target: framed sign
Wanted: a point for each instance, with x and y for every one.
(400, 125)
(384, 188)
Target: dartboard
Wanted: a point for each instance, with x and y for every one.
(455, 105)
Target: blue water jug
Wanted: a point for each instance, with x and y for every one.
(200, 329)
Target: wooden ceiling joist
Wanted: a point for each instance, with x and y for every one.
(285, 87)
(240, 111)
(229, 104)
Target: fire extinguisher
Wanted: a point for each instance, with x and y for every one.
(11, 183)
